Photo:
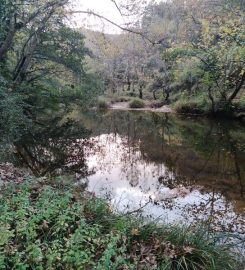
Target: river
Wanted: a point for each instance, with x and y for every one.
(164, 167)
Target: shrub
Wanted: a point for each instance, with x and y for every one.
(193, 105)
(102, 104)
(137, 103)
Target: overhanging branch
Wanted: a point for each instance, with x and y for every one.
(89, 12)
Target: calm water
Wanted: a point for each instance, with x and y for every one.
(168, 168)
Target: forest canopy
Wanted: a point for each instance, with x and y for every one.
(41, 61)
(87, 184)
(190, 53)
(187, 54)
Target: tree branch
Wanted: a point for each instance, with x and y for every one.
(117, 6)
(90, 12)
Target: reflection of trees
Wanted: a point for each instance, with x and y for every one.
(220, 145)
(115, 151)
(195, 150)
(216, 210)
(54, 147)
(233, 144)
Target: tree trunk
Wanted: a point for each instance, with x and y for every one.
(140, 92)
(129, 86)
(167, 96)
(212, 99)
(24, 63)
(238, 88)
(20, 73)
(154, 94)
(6, 45)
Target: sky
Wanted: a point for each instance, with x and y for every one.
(103, 7)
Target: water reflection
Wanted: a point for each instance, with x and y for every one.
(171, 168)
(55, 149)
(181, 169)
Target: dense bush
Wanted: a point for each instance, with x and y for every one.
(42, 227)
(136, 104)
(102, 104)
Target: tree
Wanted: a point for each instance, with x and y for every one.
(217, 41)
(41, 57)
(16, 15)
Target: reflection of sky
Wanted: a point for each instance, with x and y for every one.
(129, 182)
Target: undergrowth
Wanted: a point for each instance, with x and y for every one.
(46, 227)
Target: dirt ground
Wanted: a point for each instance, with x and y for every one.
(125, 106)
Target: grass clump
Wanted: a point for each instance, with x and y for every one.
(42, 227)
(102, 104)
(137, 104)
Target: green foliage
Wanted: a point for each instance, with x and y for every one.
(64, 46)
(173, 53)
(194, 104)
(42, 64)
(200, 49)
(15, 119)
(43, 227)
(102, 104)
(136, 104)
(218, 49)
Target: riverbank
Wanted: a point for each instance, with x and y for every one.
(124, 106)
(180, 107)
(46, 224)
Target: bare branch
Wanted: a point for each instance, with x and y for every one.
(117, 6)
(130, 30)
